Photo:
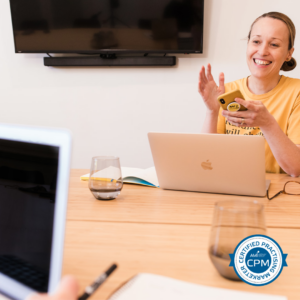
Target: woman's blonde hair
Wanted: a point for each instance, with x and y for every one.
(291, 64)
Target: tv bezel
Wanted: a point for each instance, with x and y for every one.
(110, 51)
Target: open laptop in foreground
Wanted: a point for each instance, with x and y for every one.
(213, 163)
(34, 181)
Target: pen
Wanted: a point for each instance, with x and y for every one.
(94, 286)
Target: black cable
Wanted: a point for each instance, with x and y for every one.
(146, 54)
(48, 54)
(165, 54)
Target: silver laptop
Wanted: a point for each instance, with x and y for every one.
(34, 180)
(212, 163)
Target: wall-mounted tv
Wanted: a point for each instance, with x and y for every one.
(108, 26)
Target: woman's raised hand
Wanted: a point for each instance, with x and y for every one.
(209, 90)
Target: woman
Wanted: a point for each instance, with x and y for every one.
(272, 100)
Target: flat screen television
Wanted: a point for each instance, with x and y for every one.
(107, 26)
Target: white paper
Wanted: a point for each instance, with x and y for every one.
(3, 297)
(148, 175)
(155, 287)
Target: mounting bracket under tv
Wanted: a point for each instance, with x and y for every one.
(109, 60)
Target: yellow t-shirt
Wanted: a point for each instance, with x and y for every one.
(283, 102)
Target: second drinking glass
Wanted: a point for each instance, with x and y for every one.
(232, 222)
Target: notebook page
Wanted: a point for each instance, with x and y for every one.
(148, 175)
(155, 287)
(130, 171)
(125, 173)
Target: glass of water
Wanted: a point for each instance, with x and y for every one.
(233, 221)
(105, 180)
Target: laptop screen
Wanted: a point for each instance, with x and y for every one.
(28, 177)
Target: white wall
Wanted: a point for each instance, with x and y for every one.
(110, 110)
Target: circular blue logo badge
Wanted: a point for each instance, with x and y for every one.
(258, 260)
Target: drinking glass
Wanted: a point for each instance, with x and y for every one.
(105, 180)
(233, 221)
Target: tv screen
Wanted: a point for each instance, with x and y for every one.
(107, 26)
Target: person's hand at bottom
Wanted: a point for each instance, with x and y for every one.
(67, 290)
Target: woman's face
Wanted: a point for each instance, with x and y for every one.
(267, 48)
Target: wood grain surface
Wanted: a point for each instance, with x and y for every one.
(155, 205)
(167, 232)
(177, 251)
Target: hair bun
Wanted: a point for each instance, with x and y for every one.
(289, 65)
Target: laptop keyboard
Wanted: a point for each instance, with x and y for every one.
(24, 272)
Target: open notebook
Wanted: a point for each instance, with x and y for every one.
(155, 287)
(134, 175)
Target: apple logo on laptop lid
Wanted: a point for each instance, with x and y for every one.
(206, 165)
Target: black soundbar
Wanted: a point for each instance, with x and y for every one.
(128, 61)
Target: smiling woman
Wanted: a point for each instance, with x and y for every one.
(290, 63)
(272, 100)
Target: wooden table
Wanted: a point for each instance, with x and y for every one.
(167, 232)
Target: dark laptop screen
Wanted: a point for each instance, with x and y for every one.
(28, 175)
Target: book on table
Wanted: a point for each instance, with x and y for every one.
(149, 286)
(139, 176)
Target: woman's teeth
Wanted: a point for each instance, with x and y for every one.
(262, 62)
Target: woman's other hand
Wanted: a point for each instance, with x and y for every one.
(67, 290)
(256, 116)
(209, 90)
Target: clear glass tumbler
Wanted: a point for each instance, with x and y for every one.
(233, 221)
(105, 180)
